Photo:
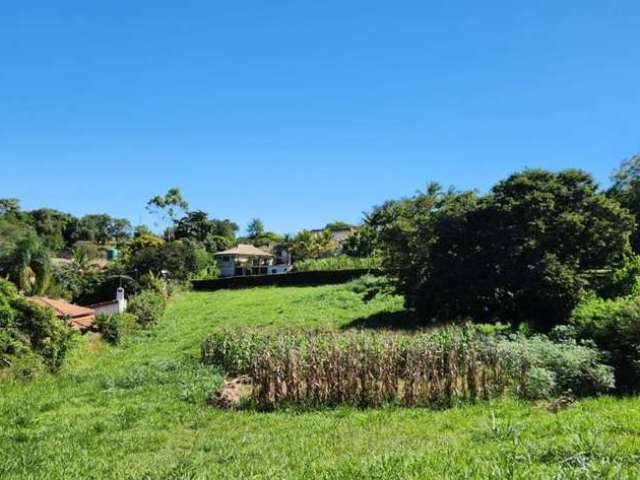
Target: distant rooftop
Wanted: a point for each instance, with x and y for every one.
(245, 250)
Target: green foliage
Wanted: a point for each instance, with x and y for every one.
(314, 245)
(116, 326)
(168, 205)
(78, 283)
(338, 225)
(623, 281)
(9, 206)
(147, 306)
(180, 258)
(557, 368)
(102, 228)
(340, 262)
(23, 258)
(56, 229)
(212, 233)
(626, 190)
(26, 327)
(255, 228)
(614, 326)
(87, 251)
(165, 287)
(522, 253)
(363, 242)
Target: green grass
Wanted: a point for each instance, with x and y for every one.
(137, 412)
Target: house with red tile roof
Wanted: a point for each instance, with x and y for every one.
(79, 318)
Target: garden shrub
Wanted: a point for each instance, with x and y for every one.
(614, 326)
(147, 306)
(115, 327)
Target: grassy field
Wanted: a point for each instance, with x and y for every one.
(137, 412)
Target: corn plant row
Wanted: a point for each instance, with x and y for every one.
(366, 369)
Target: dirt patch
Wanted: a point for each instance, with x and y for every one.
(230, 395)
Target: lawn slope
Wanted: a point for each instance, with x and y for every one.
(137, 412)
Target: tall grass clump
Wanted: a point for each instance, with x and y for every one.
(316, 368)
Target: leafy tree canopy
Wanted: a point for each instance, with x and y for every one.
(255, 228)
(168, 205)
(522, 253)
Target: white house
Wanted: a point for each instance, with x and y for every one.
(244, 260)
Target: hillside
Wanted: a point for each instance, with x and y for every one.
(137, 411)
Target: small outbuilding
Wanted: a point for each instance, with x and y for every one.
(111, 307)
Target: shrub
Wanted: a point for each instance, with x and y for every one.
(614, 326)
(557, 368)
(26, 327)
(430, 369)
(48, 336)
(147, 306)
(541, 383)
(115, 327)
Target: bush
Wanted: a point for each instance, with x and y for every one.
(614, 326)
(26, 327)
(147, 306)
(557, 368)
(341, 262)
(165, 287)
(430, 369)
(115, 327)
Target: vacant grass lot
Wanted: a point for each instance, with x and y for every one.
(137, 412)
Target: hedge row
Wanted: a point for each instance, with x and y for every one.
(283, 279)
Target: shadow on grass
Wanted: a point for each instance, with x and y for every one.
(402, 320)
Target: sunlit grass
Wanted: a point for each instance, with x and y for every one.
(137, 412)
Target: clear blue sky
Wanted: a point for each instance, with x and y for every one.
(306, 112)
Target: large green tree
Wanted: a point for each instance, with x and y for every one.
(211, 233)
(55, 228)
(525, 252)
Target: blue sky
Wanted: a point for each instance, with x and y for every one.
(305, 112)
